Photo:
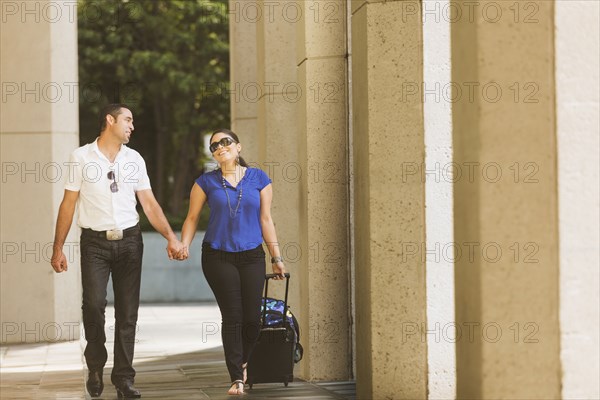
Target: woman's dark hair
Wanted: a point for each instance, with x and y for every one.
(232, 135)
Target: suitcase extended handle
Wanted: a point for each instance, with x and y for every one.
(271, 276)
(287, 285)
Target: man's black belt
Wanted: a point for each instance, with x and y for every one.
(114, 234)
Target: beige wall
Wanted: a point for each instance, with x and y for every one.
(322, 130)
(278, 140)
(243, 66)
(388, 130)
(38, 130)
(510, 298)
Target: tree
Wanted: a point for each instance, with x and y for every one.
(160, 57)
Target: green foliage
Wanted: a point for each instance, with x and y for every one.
(157, 56)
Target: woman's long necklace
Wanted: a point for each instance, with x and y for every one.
(233, 213)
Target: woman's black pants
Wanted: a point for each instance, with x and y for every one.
(237, 280)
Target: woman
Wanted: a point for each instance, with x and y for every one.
(233, 259)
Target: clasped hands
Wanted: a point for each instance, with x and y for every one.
(176, 250)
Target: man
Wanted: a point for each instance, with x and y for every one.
(104, 179)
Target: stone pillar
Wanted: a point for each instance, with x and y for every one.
(38, 130)
(577, 88)
(505, 201)
(322, 133)
(388, 131)
(245, 91)
(278, 139)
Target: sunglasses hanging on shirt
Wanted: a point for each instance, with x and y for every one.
(113, 186)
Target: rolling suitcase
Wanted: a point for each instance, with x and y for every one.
(277, 348)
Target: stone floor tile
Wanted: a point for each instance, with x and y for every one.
(178, 356)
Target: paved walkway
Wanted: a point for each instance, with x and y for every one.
(178, 356)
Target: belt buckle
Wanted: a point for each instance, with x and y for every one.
(114, 234)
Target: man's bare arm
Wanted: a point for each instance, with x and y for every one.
(63, 225)
(158, 220)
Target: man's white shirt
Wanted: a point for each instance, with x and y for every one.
(99, 208)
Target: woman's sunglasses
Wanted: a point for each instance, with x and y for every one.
(226, 141)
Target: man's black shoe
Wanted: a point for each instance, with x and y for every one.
(94, 383)
(125, 390)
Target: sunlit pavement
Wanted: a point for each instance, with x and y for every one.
(178, 355)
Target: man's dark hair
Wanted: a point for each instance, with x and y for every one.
(110, 109)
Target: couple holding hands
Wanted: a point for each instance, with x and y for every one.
(233, 259)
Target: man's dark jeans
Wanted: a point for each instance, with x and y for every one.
(122, 259)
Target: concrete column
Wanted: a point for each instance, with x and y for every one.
(244, 86)
(38, 130)
(505, 201)
(390, 210)
(441, 349)
(278, 139)
(322, 133)
(577, 88)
